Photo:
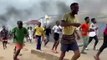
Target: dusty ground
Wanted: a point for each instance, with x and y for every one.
(7, 54)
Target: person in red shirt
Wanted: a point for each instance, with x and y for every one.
(104, 45)
(84, 28)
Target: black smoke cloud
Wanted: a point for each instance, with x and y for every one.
(22, 10)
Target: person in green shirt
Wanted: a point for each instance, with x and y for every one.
(19, 33)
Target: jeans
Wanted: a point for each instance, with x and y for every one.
(38, 42)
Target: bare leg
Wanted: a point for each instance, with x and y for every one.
(16, 54)
(100, 51)
(62, 55)
(76, 55)
(15, 50)
(46, 42)
(3, 45)
(83, 50)
(97, 56)
(56, 46)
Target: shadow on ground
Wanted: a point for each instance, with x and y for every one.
(45, 56)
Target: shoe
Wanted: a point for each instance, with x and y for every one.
(86, 49)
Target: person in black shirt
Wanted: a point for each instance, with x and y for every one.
(4, 36)
(48, 32)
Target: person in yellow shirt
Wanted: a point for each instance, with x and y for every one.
(69, 24)
(39, 33)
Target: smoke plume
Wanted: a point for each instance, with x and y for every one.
(12, 10)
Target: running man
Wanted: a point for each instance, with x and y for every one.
(69, 24)
(84, 28)
(57, 29)
(19, 33)
(48, 32)
(104, 45)
(39, 33)
(93, 32)
(4, 37)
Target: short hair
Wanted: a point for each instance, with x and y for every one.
(73, 4)
(3, 26)
(19, 22)
(86, 18)
(92, 19)
(57, 22)
(39, 22)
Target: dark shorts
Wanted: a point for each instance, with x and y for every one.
(56, 36)
(67, 47)
(5, 42)
(4, 38)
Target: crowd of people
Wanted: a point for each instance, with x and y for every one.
(66, 29)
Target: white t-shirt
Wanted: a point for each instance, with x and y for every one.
(30, 32)
(93, 33)
(57, 29)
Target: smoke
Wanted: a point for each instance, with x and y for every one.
(12, 15)
(93, 8)
(12, 11)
